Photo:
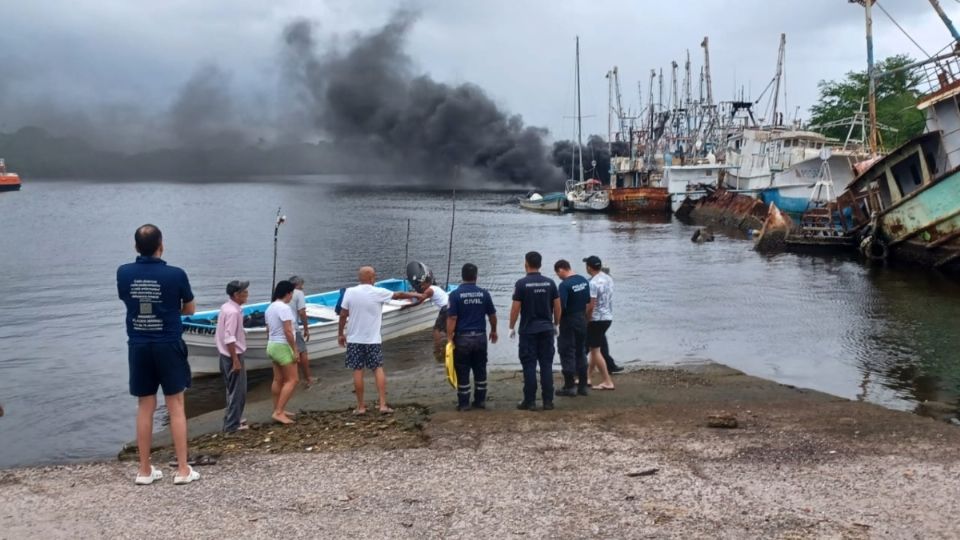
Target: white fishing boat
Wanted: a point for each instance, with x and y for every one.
(551, 202)
(400, 318)
(587, 196)
(689, 181)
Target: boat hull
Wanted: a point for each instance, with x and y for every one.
(552, 205)
(924, 227)
(9, 182)
(635, 200)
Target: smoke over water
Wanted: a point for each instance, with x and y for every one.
(369, 95)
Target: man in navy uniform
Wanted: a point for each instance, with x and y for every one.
(537, 303)
(572, 342)
(466, 327)
(156, 295)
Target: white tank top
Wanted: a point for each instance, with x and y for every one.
(439, 297)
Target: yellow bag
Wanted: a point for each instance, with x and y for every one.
(448, 363)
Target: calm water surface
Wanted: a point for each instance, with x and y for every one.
(880, 335)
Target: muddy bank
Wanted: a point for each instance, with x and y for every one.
(799, 464)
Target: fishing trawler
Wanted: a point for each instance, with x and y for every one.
(9, 181)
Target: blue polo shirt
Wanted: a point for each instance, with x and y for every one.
(470, 305)
(574, 295)
(536, 294)
(153, 293)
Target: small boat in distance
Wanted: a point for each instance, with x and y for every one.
(551, 202)
(400, 318)
(587, 196)
(8, 181)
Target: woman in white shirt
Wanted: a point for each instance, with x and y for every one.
(282, 350)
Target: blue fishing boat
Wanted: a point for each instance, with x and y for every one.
(551, 202)
(400, 318)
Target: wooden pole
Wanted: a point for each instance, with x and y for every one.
(453, 220)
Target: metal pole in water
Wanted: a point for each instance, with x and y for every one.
(276, 231)
(406, 249)
(453, 220)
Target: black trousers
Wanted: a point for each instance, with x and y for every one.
(537, 350)
(572, 346)
(470, 354)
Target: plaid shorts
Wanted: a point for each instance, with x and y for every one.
(364, 355)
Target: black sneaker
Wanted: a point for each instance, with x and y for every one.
(567, 392)
(616, 369)
(527, 406)
(548, 405)
(463, 408)
(477, 405)
(583, 391)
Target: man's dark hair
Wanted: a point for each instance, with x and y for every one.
(534, 259)
(562, 264)
(469, 272)
(148, 238)
(282, 289)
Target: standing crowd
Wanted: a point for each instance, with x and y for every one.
(573, 318)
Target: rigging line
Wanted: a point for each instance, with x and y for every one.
(901, 28)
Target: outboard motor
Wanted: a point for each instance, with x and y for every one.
(416, 273)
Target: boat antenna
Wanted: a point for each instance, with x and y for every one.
(453, 220)
(281, 219)
(406, 247)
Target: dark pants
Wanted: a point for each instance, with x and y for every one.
(537, 350)
(572, 346)
(470, 354)
(236, 383)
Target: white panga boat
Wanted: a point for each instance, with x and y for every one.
(398, 320)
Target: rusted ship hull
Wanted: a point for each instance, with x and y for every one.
(725, 209)
(636, 200)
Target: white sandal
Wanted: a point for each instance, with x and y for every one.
(155, 474)
(180, 480)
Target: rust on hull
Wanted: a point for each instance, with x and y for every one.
(725, 209)
(639, 200)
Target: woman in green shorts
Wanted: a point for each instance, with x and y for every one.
(282, 350)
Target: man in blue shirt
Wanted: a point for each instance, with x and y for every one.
(466, 327)
(155, 295)
(572, 342)
(537, 303)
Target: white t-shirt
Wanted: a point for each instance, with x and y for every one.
(297, 302)
(601, 290)
(439, 297)
(276, 314)
(365, 304)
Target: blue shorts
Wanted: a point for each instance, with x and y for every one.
(154, 365)
(364, 355)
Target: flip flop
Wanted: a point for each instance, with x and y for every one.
(275, 419)
(359, 412)
(155, 474)
(602, 387)
(386, 410)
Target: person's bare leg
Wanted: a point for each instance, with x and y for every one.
(438, 346)
(289, 373)
(381, 378)
(358, 389)
(276, 384)
(304, 362)
(178, 430)
(596, 358)
(146, 406)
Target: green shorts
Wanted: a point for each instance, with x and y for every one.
(280, 353)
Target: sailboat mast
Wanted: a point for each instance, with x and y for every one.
(579, 117)
(872, 86)
(776, 91)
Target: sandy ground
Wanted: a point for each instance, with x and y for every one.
(800, 464)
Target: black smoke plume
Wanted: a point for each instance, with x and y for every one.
(370, 95)
(596, 157)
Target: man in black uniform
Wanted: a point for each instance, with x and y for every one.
(572, 341)
(537, 303)
(467, 307)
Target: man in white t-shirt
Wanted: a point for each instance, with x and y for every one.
(439, 298)
(361, 316)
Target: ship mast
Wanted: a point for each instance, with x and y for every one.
(776, 91)
(579, 117)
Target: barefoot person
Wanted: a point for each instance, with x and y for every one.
(599, 317)
(299, 306)
(232, 344)
(537, 303)
(155, 295)
(467, 329)
(282, 350)
(361, 316)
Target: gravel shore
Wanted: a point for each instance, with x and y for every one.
(638, 462)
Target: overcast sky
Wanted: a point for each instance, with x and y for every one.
(72, 59)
